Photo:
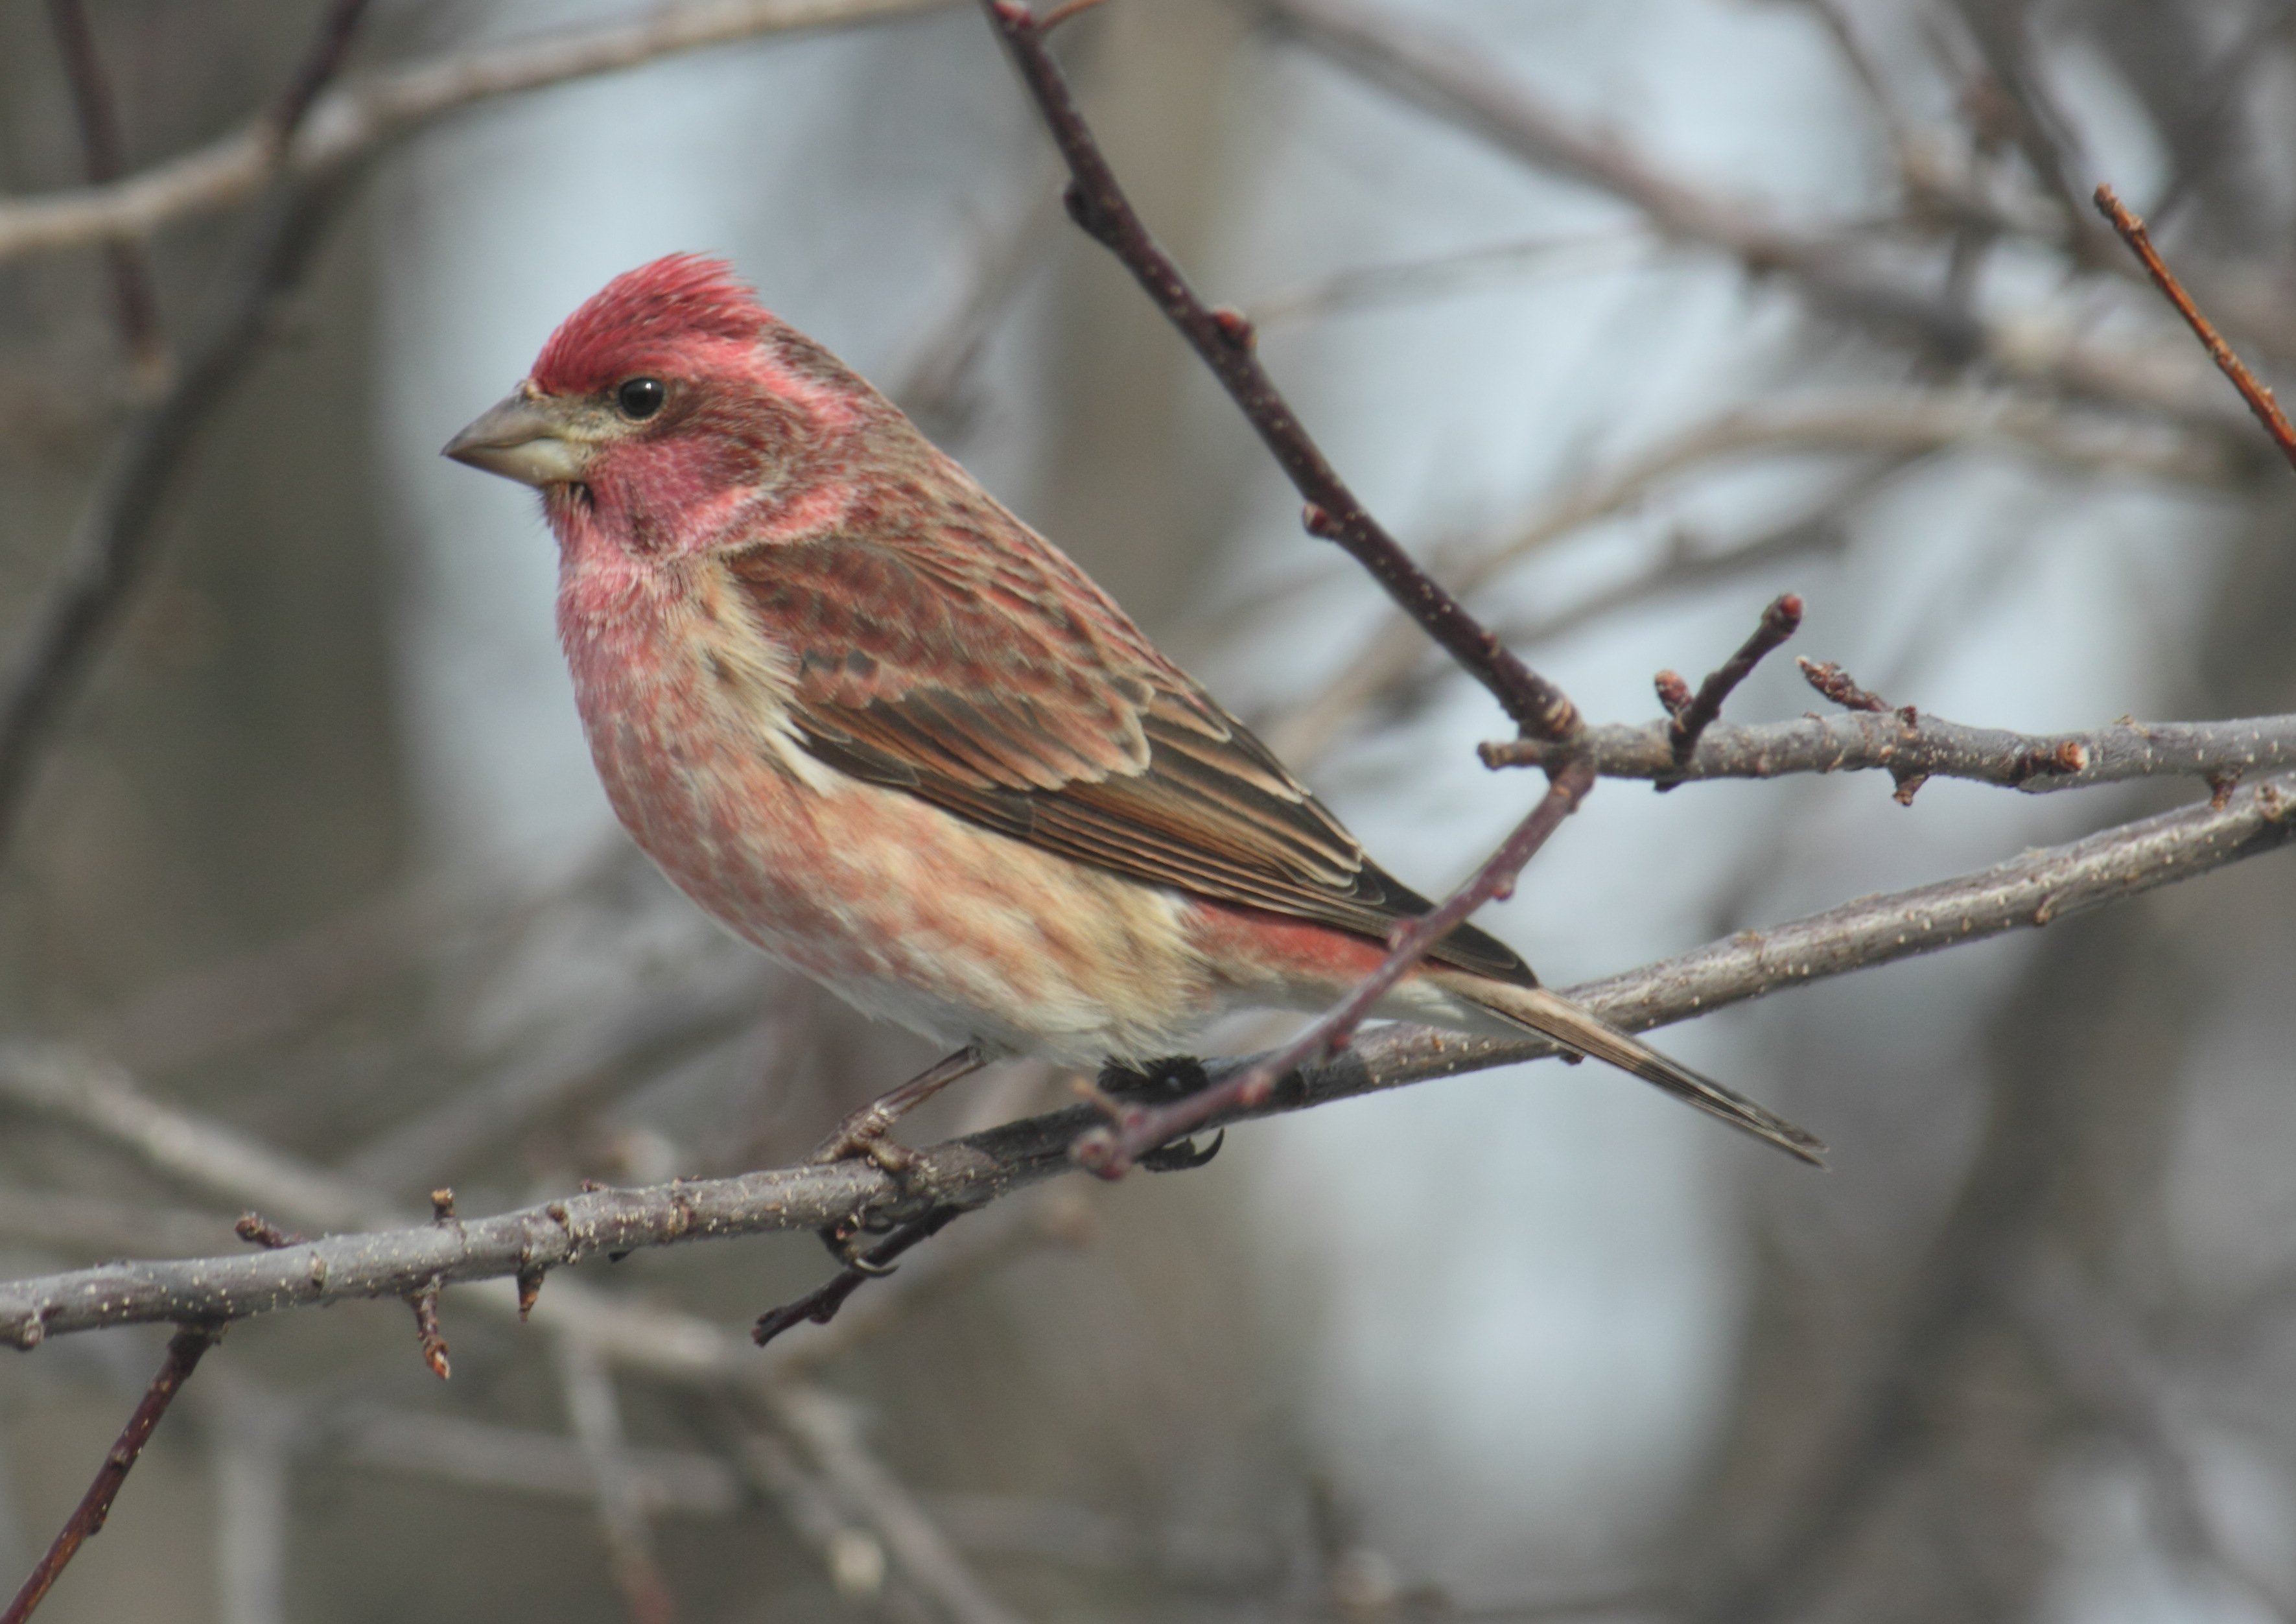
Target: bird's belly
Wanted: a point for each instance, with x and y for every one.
(902, 909)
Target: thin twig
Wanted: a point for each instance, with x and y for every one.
(135, 307)
(1838, 686)
(2257, 397)
(1224, 338)
(184, 1349)
(1110, 1151)
(1779, 622)
(2036, 888)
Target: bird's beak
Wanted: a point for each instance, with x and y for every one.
(527, 438)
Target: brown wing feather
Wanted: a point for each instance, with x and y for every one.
(1011, 691)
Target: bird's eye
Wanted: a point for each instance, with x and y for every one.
(639, 397)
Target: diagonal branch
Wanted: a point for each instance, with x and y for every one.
(1136, 1131)
(184, 1349)
(1225, 341)
(2031, 891)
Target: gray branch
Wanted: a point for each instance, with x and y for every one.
(2027, 891)
(1910, 747)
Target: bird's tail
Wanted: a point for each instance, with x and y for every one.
(1556, 1017)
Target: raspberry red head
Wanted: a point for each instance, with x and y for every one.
(672, 408)
(671, 313)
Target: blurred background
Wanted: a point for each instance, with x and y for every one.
(1627, 317)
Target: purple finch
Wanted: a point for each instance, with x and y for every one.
(880, 728)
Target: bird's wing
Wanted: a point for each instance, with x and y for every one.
(1001, 684)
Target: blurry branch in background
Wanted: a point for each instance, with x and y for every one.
(1842, 278)
(133, 303)
(2030, 891)
(112, 544)
(357, 119)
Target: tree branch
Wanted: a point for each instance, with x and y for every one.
(2030, 891)
(1225, 341)
(1907, 744)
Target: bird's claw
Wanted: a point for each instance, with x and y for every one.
(864, 1135)
(1173, 1077)
(844, 1240)
(1182, 1155)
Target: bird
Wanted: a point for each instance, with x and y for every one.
(876, 725)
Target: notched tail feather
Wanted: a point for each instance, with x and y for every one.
(1564, 1021)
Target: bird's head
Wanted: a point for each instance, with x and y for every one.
(672, 408)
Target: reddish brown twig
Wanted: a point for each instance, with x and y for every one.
(1110, 1151)
(135, 308)
(427, 1334)
(1836, 685)
(821, 1304)
(256, 1230)
(2258, 398)
(1224, 339)
(1691, 718)
(87, 1520)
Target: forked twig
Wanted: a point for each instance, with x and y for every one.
(1698, 712)
(184, 1349)
(2258, 398)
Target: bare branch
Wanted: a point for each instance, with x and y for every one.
(362, 117)
(2220, 754)
(1225, 341)
(2027, 891)
(184, 1349)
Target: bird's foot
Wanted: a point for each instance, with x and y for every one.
(1159, 1081)
(1183, 1155)
(863, 1133)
